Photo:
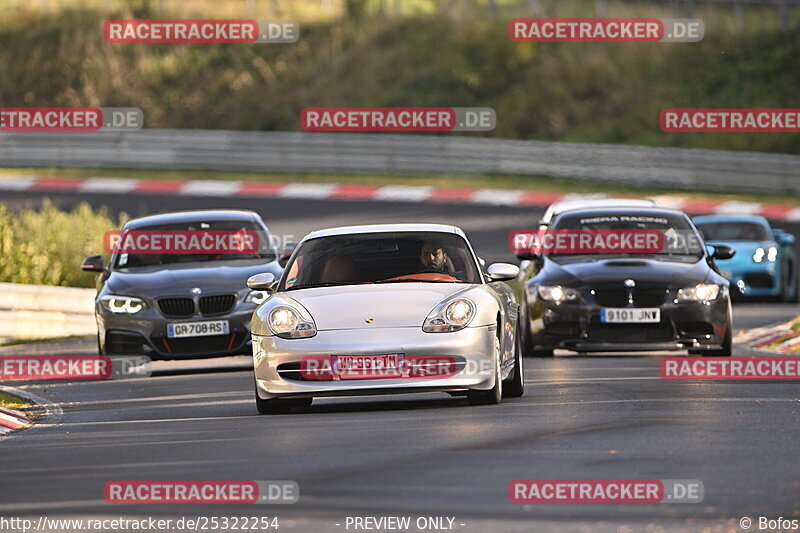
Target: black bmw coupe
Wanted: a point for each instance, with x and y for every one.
(671, 297)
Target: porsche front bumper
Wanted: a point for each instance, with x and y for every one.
(277, 360)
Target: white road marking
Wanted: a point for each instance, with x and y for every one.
(20, 183)
(210, 188)
(403, 193)
(307, 190)
(112, 185)
(496, 196)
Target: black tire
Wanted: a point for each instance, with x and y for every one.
(277, 406)
(793, 295)
(726, 349)
(542, 352)
(514, 387)
(494, 395)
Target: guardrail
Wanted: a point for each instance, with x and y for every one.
(39, 312)
(674, 168)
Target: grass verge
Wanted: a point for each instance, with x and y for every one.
(12, 402)
(45, 246)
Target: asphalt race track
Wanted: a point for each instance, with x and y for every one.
(601, 417)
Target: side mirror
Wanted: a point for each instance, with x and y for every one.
(262, 282)
(93, 263)
(782, 237)
(722, 252)
(288, 249)
(502, 271)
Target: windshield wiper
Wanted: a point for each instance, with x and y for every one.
(416, 280)
(321, 284)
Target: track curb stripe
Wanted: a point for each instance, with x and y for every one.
(382, 193)
(12, 420)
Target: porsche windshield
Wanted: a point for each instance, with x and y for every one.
(673, 237)
(733, 231)
(431, 257)
(190, 242)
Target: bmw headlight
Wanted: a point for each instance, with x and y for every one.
(256, 297)
(557, 293)
(122, 304)
(452, 316)
(286, 322)
(702, 292)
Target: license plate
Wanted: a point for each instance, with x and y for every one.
(367, 366)
(198, 329)
(631, 316)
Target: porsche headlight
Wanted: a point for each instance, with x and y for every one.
(702, 292)
(557, 293)
(286, 322)
(122, 304)
(452, 316)
(770, 253)
(256, 297)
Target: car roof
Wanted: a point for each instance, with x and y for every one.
(384, 228)
(568, 205)
(753, 219)
(199, 215)
(635, 211)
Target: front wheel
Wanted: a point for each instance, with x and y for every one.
(726, 349)
(494, 395)
(276, 406)
(515, 386)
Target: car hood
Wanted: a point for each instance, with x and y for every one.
(672, 274)
(393, 305)
(166, 280)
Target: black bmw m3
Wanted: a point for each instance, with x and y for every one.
(595, 299)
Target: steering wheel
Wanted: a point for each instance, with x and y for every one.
(432, 271)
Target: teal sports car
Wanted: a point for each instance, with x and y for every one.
(765, 265)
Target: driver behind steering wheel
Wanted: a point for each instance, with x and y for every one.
(434, 259)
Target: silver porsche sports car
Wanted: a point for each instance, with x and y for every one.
(385, 309)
